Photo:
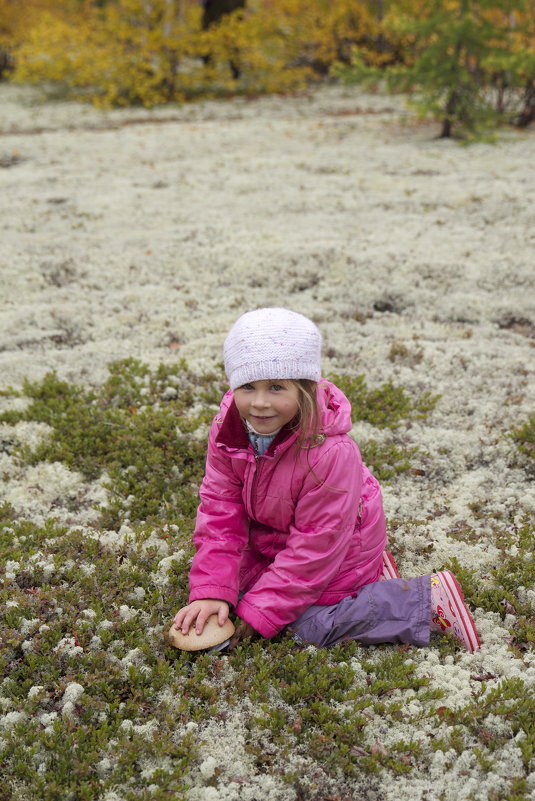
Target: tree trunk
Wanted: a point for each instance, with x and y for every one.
(450, 109)
(6, 63)
(527, 115)
(215, 9)
(446, 129)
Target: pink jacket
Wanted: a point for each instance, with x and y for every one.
(288, 529)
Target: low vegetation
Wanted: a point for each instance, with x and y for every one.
(93, 702)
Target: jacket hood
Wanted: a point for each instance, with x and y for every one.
(334, 410)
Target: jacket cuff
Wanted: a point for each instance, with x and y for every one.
(213, 591)
(256, 619)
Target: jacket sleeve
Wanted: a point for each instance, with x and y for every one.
(221, 530)
(318, 541)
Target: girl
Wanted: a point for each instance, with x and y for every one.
(290, 530)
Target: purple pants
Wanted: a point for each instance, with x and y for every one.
(397, 610)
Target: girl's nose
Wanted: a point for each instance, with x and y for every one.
(260, 400)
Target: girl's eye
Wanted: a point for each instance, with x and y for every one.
(277, 387)
(247, 386)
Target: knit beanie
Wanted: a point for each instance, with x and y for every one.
(272, 343)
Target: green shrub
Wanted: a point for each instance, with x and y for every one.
(137, 428)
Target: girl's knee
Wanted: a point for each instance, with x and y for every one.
(308, 634)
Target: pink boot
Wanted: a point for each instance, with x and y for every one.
(390, 569)
(449, 611)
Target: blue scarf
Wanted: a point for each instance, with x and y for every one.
(260, 442)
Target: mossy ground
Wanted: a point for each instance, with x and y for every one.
(86, 611)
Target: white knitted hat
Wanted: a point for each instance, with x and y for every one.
(272, 343)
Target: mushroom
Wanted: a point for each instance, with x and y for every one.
(212, 635)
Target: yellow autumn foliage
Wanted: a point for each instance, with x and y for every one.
(16, 18)
(126, 52)
(154, 51)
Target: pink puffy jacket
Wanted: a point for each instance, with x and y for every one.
(288, 529)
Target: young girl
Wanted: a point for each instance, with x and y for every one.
(290, 531)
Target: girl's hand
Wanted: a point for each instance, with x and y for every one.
(243, 632)
(198, 612)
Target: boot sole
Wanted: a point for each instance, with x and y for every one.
(390, 569)
(464, 618)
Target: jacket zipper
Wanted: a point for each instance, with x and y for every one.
(254, 483)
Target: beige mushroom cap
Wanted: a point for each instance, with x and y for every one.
(212, 634)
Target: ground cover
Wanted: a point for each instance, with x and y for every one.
(131, 241)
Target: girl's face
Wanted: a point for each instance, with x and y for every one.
(267, 405)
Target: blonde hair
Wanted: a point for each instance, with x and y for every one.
(309, 416)
(309, 424)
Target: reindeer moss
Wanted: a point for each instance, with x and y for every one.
(510, 579)
(88, 611)
(145, 431)
(90, 607)
(512, 702)
(139, 429)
